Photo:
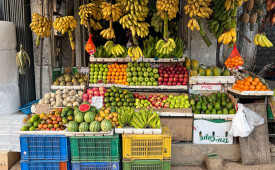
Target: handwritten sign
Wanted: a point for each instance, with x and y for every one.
(42, 108)
(207, 87)
(97, 101)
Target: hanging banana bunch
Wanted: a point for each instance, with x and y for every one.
(41, 26)
(169, 6)
(228, 37)
(230, 4)
(66, 24)
(90, 14)
(22, 60)
(115, 49)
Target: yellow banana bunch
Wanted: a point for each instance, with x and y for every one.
(90, 10)
(260, 39)
(114, 49)
(193, 23)
(169, 6)
(135, 52)
(136, 7)
(95, 25)
(198, 8)
(229, 4)
(228, 37)
(41, 26)
(66, 24)
(113, 11)
(108, 33)
(165, 47)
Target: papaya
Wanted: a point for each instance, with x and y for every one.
(208, 72)
(217, 71)
(188, 65)
(193, 73)
(201, 72)
(195, 65)
(187, 60)
(226, 73)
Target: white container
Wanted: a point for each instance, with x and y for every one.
(212, 132)
(10, 99)
(8, 68)
(7, 36)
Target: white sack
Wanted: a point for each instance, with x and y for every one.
(8, 68)
(7, 36)
(10, 98)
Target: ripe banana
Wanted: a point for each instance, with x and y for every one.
(108, 33)
(114, 49)
(89, 13)
(113, 11)
(169, 6)
(260, 39)
(135, 53)
(193, 23)
(228, 37)
(230, 4)
(198, 8)
(165, 47)
(41, 26)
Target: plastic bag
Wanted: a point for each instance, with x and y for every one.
(253, 118)
(240, 126)
(90, 47)
(10, 98)
(234, 60)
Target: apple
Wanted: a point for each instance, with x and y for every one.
(184, 83)
(160, 79)
(155, 83)
(95, 89)
(85, 96)
(96, 93)
(175, 79)
(185, 76)
(168, 72)
(174, 83)
(101, 92)
(101, 88)
(164, 83)
(171, 75)
(185, 80)
(177, 72)
(181, 75)
(160, 83)
(186, 72)
(173, 72)
(171, 68)
(180, 79)
(169, 84)
(90, 101)
(166, 75)
(161, 75)
(90, 91)
(134, 74)
(184, 68)
(170, 79)
(136, 95)
(178, 83)
(90, 96)
(155, 70)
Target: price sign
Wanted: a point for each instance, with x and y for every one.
(97, 101)
(42, 108)
(207, 87)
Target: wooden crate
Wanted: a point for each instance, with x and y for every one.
(8, 159)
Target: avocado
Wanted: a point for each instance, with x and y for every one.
(210, 106)
(219, 112)
(200, 98)
(232, 111)
(193, 108)
(217, 106)
(224, 111)
(214, 111)
(209, 99)
(208, 112)
(198, 106)
(203, 106)
(197, 112)
(224, 103)
(192, 102)
(224, 95)
(229, 106)
(214, 97)
(219, 94)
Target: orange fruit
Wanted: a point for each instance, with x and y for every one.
(254, 83)
(264, 87)
(125, 73)
(251, 87)
(241, 86)
(121, 66)
(260, 83)
(121, 73)
(116, 78)
(246, 83)
(256, 79)
(117, 73)
(113, 73)
(117, 66)
(113, 66)
(246, 88)
(258, 87)
(127, 84)
(249, 79)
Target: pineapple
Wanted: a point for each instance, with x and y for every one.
(253, 18)
(245, 17)
(249, 5)
(259, 1)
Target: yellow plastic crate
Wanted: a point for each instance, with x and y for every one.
(147, 146)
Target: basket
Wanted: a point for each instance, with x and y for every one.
(49, 165)
(95, 148)
(45, 147)
(147, 164)
(95, 165)
(147, 146)
(26, 109)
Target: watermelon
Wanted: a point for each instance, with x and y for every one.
(89, 116)
(76, 111)
(83, 127)
(95, 126)
(93, 109)
(72, 126)
(78, 118)
(86, 102)
(84, 107)
(106, 125)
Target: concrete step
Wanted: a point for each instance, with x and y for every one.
(187, 154)
(239, 166)
(188, 168)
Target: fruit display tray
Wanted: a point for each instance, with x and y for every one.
(212, 79)
(67, 87)
(210, 116)
(251, 93)
(109, 133)
(62, 132)
(131, 130)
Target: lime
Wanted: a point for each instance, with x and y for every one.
(29, 124)
(32, 128)
(35, 124)
(24, 128)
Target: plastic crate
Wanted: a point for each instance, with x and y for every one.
(147, 164)
(147, 146)
(26, 109)
(95, 148)
(45, 147)
(45, 165)
(96, 166)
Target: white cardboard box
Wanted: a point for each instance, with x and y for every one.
(212, 132)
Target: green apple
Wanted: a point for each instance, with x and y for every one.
(144, 69)
(135, 64)
(135, 79)
(132, 84)
(95, 81)
(140, 73)
(100, 73)
(152, 79)
(130, 64)
(96, 66)
(172, 106)
(146, 79)
(155, 70)
(149, 83)
(143, 83)
(134, 73)
(92, 69)
(149, 69)
(100, 65)
(146, 74)
(140, 79)
(169, 99)
(105, 66)
(151, 74)
(138, 68)
(141, 64)
(104, 73)
(104, 77)
(147, 64)
(186, 106)
(133, 69)
(106, 69)
(186, 97)
(128, 69)
(129, 79)
(92, 65)
(129, 74)
(96, 73)
(91, 77)
(138, 83)
(156, 76)
(171, 96)
(177, 106)
(100, 77)
(91, 73)
(186, 101)
(102, 69)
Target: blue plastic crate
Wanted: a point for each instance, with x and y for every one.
(26, 109)
(45, 147)
(96, 166)
(45, 165)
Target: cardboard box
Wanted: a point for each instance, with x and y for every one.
(212, 132)
(8, 159)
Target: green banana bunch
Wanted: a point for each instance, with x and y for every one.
(156, 22)
(165, 47)
(102, 53)
(89, 11)
(125, 115)
(146, 119)
(115, 49)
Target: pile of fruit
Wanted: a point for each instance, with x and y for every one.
(172, 75)
(95, 91)
(142, 119)
(250, 84)
(98, 73)
(86, 119)
(216, 103)
(117, 74)
(62, 98)
(117, 97)
(141, 74)
(162, 101)
(235, 61)
(71, 79)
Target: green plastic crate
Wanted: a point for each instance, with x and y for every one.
(269, 113)
(147, 165)
(95, 148)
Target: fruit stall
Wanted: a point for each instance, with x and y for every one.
(134, 100)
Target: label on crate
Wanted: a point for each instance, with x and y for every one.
(97, 101)
(207, 87)
(42, 108)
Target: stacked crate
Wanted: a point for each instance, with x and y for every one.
(148, 152)
(44, 152)
(95, 152)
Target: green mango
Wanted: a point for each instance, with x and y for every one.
(226, 73)
(219, 112)
(217, 71)
(192, 102)
(208, 112)
(224, 111)
(214, 97)
(228, 100)
(210, 106)
(198, 106)
(224, 95)
(224, 103)
(193, 108)
(200, 98)
(229, 106)
(203, 106)
(217, 106)
(209, 99)
(197, 112)
(232, 111)
(219, 94)
(214, 111)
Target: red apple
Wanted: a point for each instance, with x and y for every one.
(180, 69)
(136, 95)
(178, 83)
(160, 82)
(185, 76)
(101, 88)
(164, 83)
(90, 96)
(184, 68)
(101, 92)
(161, 75)
(184, 83)
(180, 79)
(90, 91)
(160, 79)
(166, 75)
(174, 83)
(185, 72)
(185, 80)
(176, 76)
(181, 76)
(170, 79)
(175, 79)
(171, 75)
(171, 68)
(96, 93)
(165, 80)
(173, 72)
(178, 72)
(169, 83)
(95, 89)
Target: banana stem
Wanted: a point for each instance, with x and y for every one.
(71, 40)
(37, 40)
(135, 41)
(203, 35)
(234, 16)
(165, 33)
